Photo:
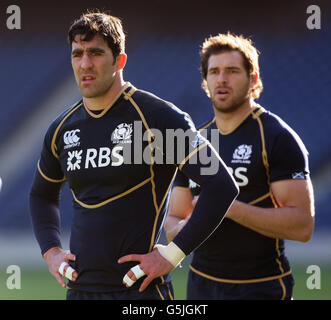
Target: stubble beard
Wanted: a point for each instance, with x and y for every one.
(96, 92)
(236, 103)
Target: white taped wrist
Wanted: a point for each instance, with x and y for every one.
(171, 252)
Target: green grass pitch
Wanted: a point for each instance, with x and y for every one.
(39, 284)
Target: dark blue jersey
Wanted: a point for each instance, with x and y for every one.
(261, 150)
(120, 169)
(113, 194)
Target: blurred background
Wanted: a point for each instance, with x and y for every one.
(163, 40)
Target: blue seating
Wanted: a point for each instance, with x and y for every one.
(32, 68)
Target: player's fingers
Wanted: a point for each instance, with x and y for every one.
(129, 279)
(61, 268)
(130, 257)
(74, 276)
(67, 271)
(133, 275)
(70, 273)
(145, 283)
(69, 256)
(59, 279)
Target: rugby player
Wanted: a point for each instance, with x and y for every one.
(119, 179)
(245, 258)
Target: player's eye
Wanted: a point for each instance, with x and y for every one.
(212, 71)
(76, 54)
(96, 52)
(233, 70)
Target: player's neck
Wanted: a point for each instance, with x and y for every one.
(227, 122)
(102, 102)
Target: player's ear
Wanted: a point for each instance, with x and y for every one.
(121, 61)
(254, 79)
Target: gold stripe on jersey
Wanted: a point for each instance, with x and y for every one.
(197, 149)
(256, 115)
(49, 179)
(159, 292)
(259, 110)
(208, 124)
(273, 199)
(205, 275)
(98, 205)
(154, 200)
(267, 195)
(278, 253)
(158, 210)
(161, 295)
(281, 282)
(170, 295)
(131, 91)
(104, 111)
(239, 122)
(53, 145)
(128, 96)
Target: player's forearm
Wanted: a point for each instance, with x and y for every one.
(217, 194)
(172, 226)
(45, 219)
(285, 222)
(44, 212)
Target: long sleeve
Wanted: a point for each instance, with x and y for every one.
(44, 212)
(218, 191)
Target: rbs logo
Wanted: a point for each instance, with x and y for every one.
(240, 178)
(95, 158)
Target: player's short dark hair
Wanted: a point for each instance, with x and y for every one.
(99, 23)
(230, 42)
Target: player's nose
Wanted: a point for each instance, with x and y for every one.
(222, 78)
(86, 62)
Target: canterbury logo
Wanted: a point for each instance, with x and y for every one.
(71, 139)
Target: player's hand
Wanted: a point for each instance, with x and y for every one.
(55, 257)
(152, 264)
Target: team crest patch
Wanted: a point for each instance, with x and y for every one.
(242, 154)
(122, 133)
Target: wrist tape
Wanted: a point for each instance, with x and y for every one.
(171, 252)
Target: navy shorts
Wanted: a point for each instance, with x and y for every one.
(152, 292)
(201, 288)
